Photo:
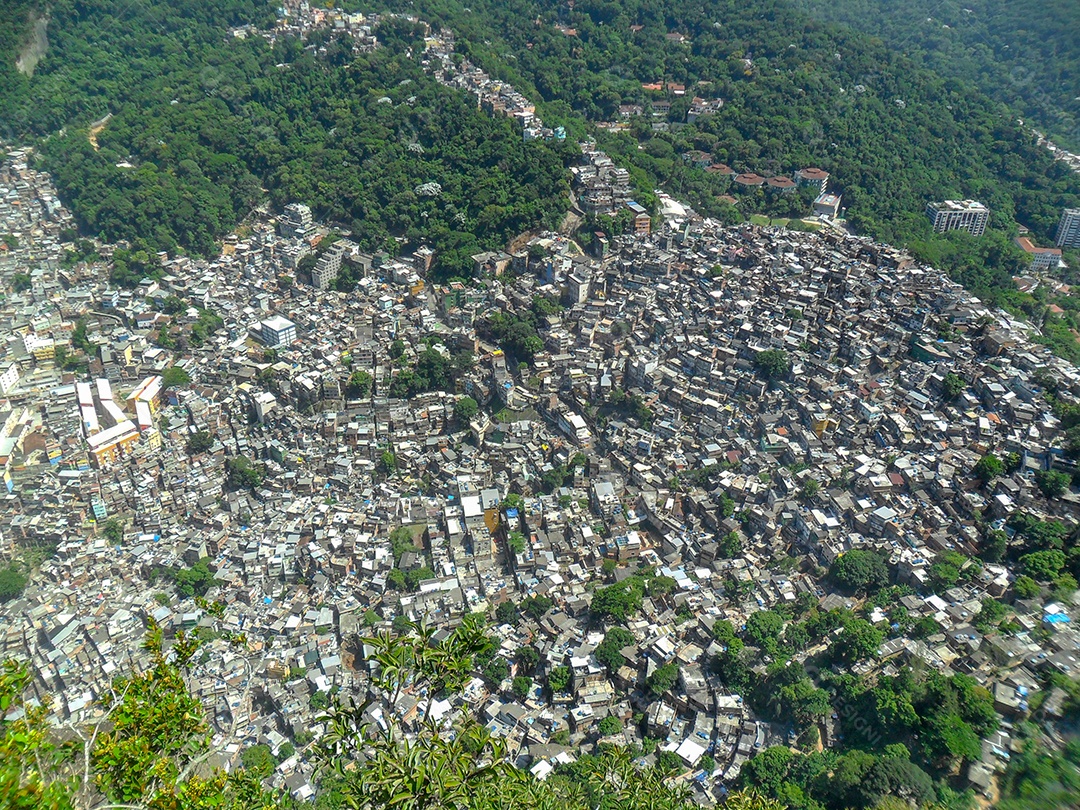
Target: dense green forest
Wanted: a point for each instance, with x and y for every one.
(371, 142)
(1022, 52)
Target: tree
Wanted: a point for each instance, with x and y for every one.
(397, 348)
(617, 602)
(199, 442)
(174, 377)
(997, 543)
(536, 606)
(195, 581)
(520, 686)
(896, 777)
(763, 629)
(773, 363)
(608, 652)
(947, 738)
(767, 770)
(1052, 483)
(515, 541)
(401, 542)
(259, 760)
(988, 467)
(465, 409)
(663, 678)
(113, 530)
(241, 473)
(610, 725)
(859, 641)
(559, 679)
(952, 386)
(808, 488)
(497, 670)
(661, 586)
(1025, 587)
(1043, 566)
(991, 614)
(668, 762)
(12, 582)
(730, 545)
(527, 658)
(359, 384)
(506, 613)
(860, 570)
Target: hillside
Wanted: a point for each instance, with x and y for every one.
(797, 92)
(203, 122)
(1022, 52)
(893, 131)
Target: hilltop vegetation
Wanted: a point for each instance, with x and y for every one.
(988, 43)
(895, 131)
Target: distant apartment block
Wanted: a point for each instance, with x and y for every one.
(1068, 230)
(277, 331)
(958, 215)
(1041, 258)
(642, 220)
(8, 378)
(815, 177)
(295, 221)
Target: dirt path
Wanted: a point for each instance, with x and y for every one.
(95, 128)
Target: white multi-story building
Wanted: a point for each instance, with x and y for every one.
(277, 331)
(295, 221)
(327, 268)
(1068, 230)
(8, 378)
(958, 215)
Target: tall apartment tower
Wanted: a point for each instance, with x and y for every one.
(958, 215)
(327, 268)
(1068, 230)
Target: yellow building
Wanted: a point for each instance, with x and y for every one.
(109, 444)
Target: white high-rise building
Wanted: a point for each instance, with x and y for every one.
(958, 215)
(1068, 230)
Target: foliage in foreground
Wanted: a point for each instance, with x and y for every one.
(151, 746)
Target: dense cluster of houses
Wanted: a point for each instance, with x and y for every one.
(642, 433)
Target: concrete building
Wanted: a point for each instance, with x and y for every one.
(9, 378)
(295, 221)
(1068, 230)
(958, 215)
(327, 267)
(827, 205)
(1042, 259)
(277, 331)
(815, 177)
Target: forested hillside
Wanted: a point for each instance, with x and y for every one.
(205, 120)
(797, 92)
(202, 121)
(1023, 52)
